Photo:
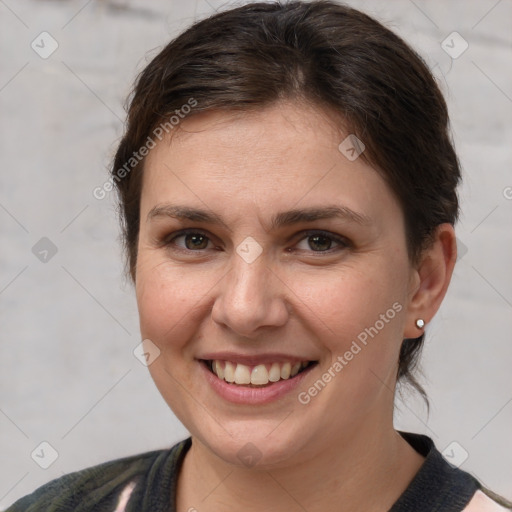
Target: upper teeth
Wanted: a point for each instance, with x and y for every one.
(260, 375)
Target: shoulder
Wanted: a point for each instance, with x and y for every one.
(100, 486)
(482, 502)
(439, 485)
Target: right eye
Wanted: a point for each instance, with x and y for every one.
(194, 240)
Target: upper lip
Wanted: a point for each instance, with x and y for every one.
(253, 360)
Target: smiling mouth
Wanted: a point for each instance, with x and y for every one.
(257, 376)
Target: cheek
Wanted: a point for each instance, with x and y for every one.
(168, 304)
(359, 316)
(349, 302)
(168, 300)
(361, 325)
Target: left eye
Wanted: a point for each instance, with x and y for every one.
(319, 241)
(323, 241)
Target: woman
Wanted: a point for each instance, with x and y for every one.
(289, 232)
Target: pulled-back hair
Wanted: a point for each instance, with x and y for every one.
(322, 53)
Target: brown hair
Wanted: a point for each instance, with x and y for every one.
(326, 54)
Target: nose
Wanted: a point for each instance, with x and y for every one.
(250, 297)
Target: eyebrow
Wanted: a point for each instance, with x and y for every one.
(281, 219)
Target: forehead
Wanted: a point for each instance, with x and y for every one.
(284, 155)
(278, 132)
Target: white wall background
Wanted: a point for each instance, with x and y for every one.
(68, 326)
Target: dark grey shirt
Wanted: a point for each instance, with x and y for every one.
(147, 483)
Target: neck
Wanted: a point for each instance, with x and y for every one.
(368, 470)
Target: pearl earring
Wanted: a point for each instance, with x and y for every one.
(420, 323)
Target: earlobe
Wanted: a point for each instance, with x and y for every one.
(420, 323)
(432, 277)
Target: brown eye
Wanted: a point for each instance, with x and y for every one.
(193, 241)
(321, 241)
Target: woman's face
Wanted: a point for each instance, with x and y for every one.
(259, 289)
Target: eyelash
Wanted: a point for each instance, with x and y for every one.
(343, 242)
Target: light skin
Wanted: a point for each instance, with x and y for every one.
(302, 296)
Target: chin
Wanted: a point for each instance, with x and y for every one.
(253, 443)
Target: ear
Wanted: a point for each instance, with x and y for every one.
(430, 279)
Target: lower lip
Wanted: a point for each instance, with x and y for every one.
(253, 396)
